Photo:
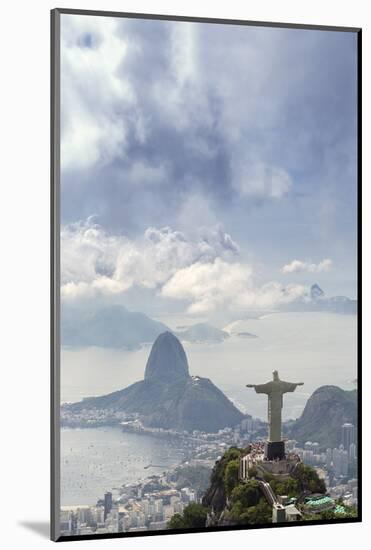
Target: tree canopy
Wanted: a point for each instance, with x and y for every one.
(194, 516)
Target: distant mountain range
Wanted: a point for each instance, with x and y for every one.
(169, 397)
(108, 327)
(327, 409)
(117, 327)
(316, 300)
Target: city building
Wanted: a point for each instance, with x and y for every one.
(139, 507)
(107, 504)
(340, 461)
(66, 521)
(352, 451)
(347, 435)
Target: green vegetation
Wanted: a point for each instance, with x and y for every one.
(231, 475)
(232, 456)
(237, 502)
(220, 477)
(247, 505)
(325, 515)
(247, 494)
(340, 511)
(303, 479)
(289, 487)
(308, 479)
(344, 511)
(194, 516)
(261, 513)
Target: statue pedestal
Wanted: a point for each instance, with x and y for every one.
(274, 450)
(256, 464)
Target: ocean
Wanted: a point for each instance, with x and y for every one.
(96, 460)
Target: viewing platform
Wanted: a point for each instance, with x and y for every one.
(255, 463)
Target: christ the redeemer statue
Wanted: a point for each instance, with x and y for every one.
(275, 390)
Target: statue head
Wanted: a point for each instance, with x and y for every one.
(275, 376)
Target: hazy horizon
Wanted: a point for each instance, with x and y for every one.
(317, 348)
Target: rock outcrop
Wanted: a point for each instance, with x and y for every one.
(328, 408)
(169, 397)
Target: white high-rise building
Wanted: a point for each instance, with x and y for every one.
(159, 506)
(352, 451)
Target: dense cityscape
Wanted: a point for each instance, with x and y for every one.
(149, 504)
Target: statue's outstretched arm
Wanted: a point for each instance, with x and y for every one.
(290, 386)
(260, 388)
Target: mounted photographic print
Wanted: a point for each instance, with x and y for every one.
(205, 275)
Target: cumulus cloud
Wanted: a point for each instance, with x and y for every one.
(298, 266)
(94, 261)
(218, 284)
(204, 272)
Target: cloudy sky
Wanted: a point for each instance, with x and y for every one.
(205, 167)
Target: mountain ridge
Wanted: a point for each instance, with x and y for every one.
(108, 327)
(117, 327)
(324, 413)
(169, 397)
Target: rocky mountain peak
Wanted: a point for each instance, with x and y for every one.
(168, 397)
(167, 360)
(316, 292)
